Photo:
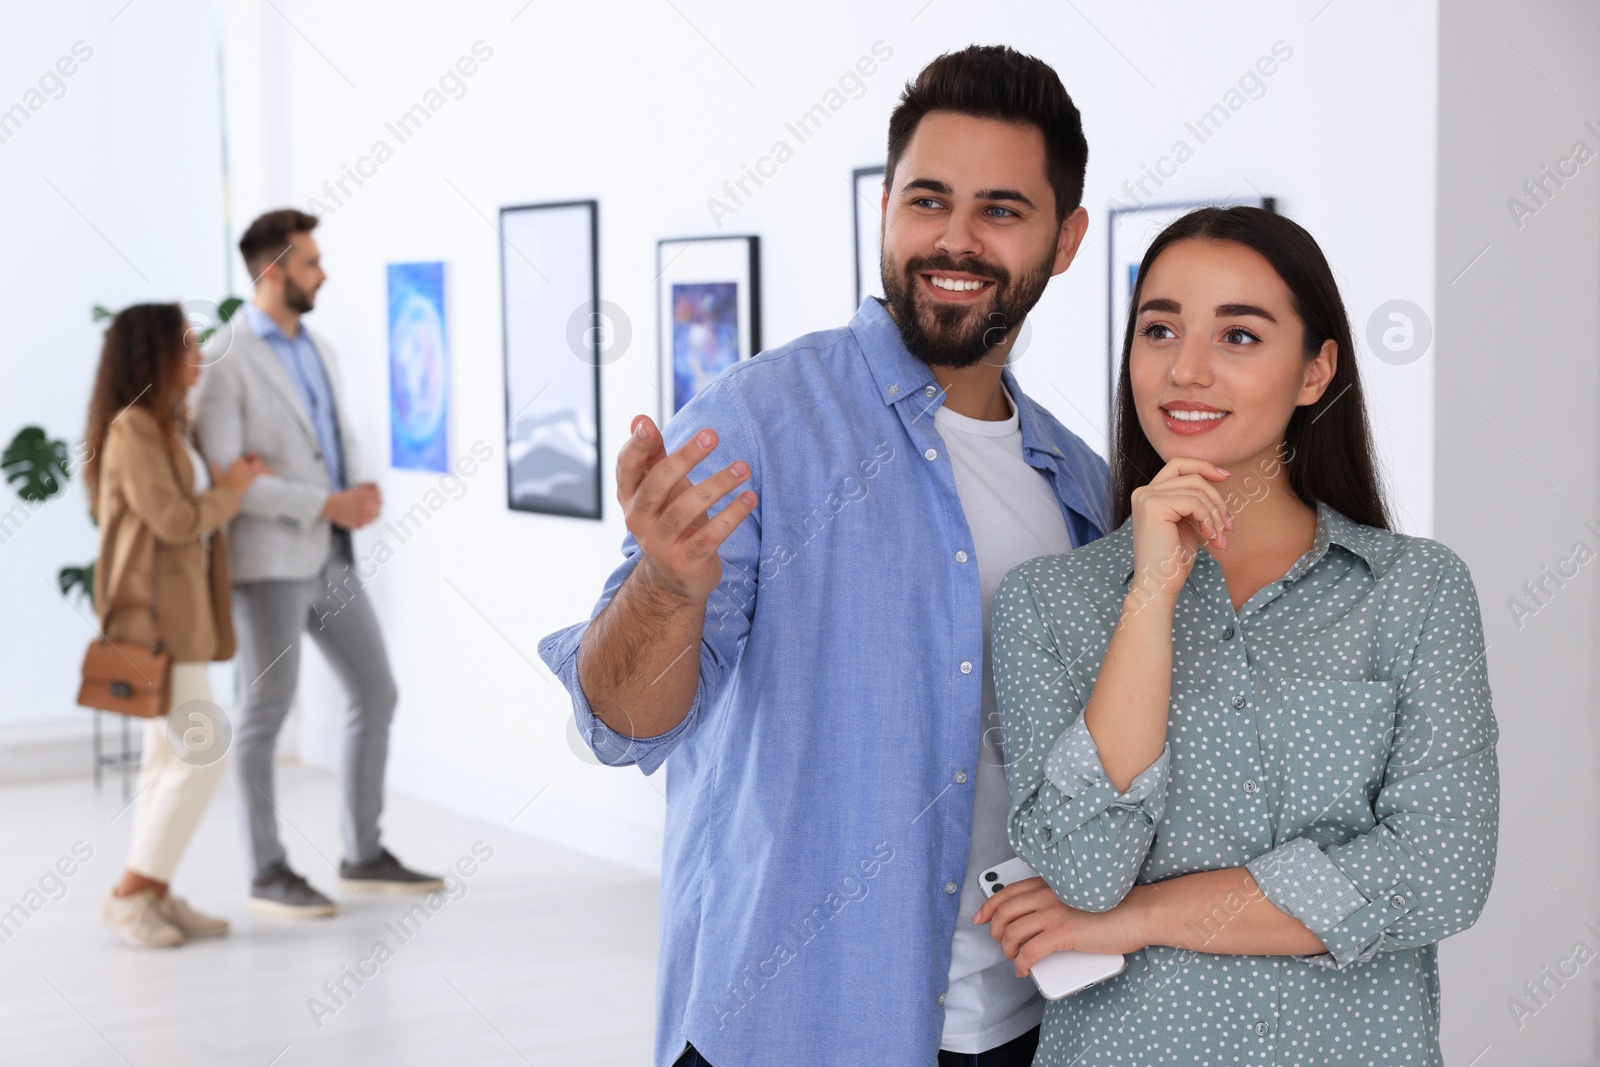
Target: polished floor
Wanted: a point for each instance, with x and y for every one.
(541, 956)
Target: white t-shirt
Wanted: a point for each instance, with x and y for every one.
(1014, 516)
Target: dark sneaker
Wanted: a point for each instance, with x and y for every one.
(384, 875)
(283, 894)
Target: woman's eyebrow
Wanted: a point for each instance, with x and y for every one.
(1230, 311)
(1161, 303)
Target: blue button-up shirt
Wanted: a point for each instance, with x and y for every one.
(819, 808)
(304, 367)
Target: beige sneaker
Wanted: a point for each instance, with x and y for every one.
(137, 919)
(192, 923)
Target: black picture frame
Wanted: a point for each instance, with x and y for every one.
(707, 260)
(865, 262)
(551, 369)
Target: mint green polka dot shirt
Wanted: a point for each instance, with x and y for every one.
(1335, 736)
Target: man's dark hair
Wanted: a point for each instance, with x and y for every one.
(264, 242)
(996, 82)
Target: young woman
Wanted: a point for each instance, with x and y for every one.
(161, 525)
(1249, 734)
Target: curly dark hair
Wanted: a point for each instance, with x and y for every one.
(140, 365)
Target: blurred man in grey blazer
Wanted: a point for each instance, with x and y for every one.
(271, 387)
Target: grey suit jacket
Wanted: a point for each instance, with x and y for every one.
(246, 402)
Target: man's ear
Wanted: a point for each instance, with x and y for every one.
(1319, 372)
(1069, 238)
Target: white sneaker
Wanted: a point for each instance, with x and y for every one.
(189, 922)
(137, 919)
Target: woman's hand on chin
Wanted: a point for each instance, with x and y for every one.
(1030, 922)
(1172, 516)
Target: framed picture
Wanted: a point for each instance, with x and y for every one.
(709, 306)
(1132, 231)
(549, 296)
(419, 368)
(867, 184)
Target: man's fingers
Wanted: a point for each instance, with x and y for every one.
(655, 488)
(716, 530)
(642, 450)
(693, 503)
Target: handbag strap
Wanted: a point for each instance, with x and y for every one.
(156, 643)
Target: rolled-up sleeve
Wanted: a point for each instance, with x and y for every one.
(1068, 821)
(729, 609)
(1424, 871)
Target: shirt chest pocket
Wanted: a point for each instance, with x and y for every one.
(1326, 742)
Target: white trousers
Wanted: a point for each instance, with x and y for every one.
(174, 791)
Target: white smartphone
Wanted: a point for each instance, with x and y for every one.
(1059, 974)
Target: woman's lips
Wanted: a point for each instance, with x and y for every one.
(1190, 421)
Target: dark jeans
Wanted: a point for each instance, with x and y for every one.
(1017, 1053)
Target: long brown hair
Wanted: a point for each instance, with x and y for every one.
(140, 365)
(1328, 444)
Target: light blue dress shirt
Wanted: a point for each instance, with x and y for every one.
(819, 804)
(310, 378)
(1334, 736)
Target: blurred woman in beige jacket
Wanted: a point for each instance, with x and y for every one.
(162, 532)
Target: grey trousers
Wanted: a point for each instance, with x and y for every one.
(270, 618)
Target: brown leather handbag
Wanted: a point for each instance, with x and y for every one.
(127, 677)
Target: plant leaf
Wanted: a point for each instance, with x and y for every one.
(77, 579)
(35, 465)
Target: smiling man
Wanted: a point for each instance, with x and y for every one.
(813, 652)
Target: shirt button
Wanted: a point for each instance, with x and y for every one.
(1045, 833)
(1250, 785)
(966, 666)
(1397, 901)
(950, 887)
(930, 454)
(930, 391)
(1238, 700)
(1262, 1028)
(1227, 634)
(961, 777)
(961, 556)
(1056, 449)
(894, 390)
(941, 999)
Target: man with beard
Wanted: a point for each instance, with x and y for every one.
(272, 387)
(814, 652)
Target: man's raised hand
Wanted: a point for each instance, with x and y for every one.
(667, 514)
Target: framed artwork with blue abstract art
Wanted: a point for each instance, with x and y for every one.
(419, 368)
(709, 306)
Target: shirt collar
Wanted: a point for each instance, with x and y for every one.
(898, 375)
(895, 371)
(1333, 528)
(264, 325)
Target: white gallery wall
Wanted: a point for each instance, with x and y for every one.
(651, 109)
(112, 183)
(1394, 132)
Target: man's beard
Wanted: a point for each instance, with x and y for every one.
(959, 335)
(296, 298)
